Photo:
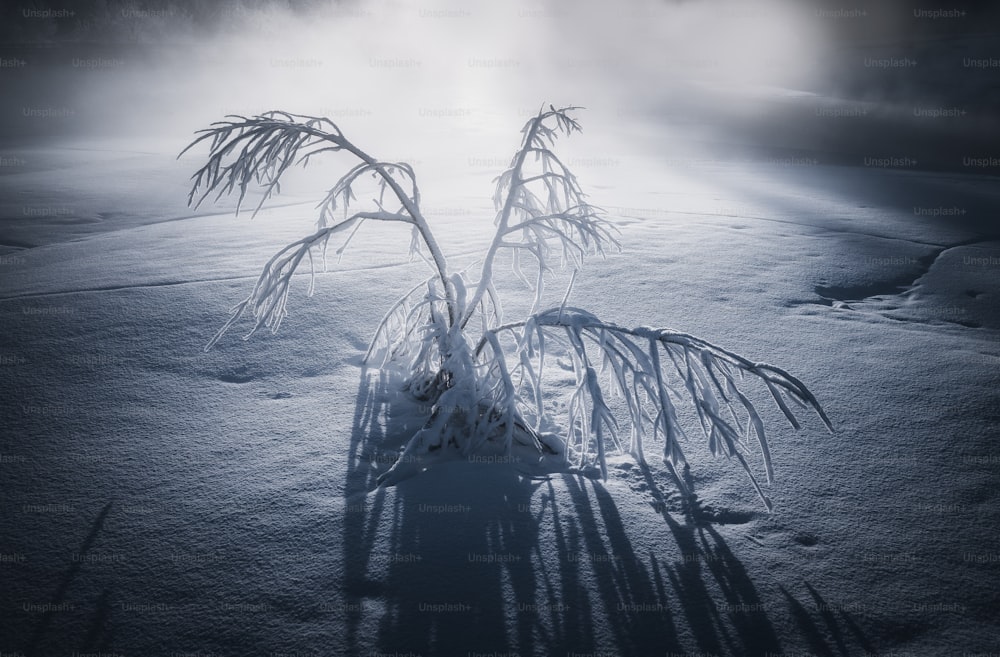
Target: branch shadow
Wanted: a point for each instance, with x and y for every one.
(483, 560)
(42, 627)
(826, 635)
(100, 635)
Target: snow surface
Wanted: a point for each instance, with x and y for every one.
(160, 500)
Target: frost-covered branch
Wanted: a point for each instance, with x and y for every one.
(538, 210)
(652, 370)
(260, 149)
(269, 297)
(344, 189)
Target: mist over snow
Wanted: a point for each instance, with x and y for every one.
(429, 68)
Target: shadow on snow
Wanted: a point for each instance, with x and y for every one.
(486, 561)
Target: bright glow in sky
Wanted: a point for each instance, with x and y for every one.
(387, 67)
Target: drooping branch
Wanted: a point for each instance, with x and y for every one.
(268, 299)
(260, 149)
(345, 192)
(650, 369)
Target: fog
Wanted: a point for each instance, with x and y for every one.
(443, 81)
(386, 69)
